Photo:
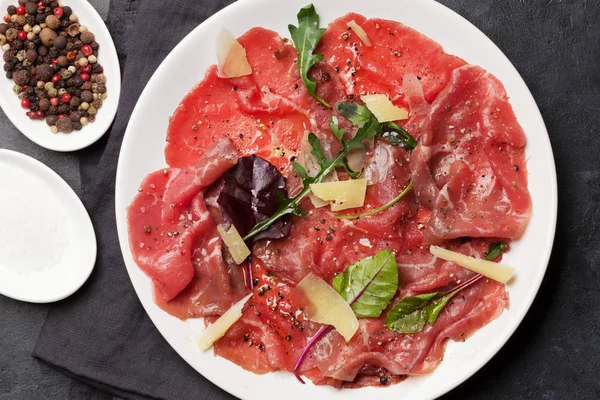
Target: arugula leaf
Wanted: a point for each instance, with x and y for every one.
(369, 284)
(398, 136)
(410, 314)
(306, 36)
(354, 112)
(363, 118)
(378, 209)
(335, 128)
(494, 250)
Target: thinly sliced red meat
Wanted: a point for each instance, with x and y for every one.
(185, 183)
(470, 165)
(396, 51)
(269, 336)
(162, 245)
(374, 346)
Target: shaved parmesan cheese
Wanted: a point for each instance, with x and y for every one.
(231, 56)
(383, 109)
(360, 32)
(341, 194)
(234, 242)
(317, 202)
(498, 272)
(326, 306)
(220, 327)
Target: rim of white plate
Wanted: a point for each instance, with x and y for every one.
(530, 254)
(79, 258)
(38, 131)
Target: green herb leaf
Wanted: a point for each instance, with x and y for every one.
(335, 128)
(300, 171)
(317, 150)
(369, 284)
(306, 36)
(378, 209)
(494, 250)
(410, 314)
(353, 112)
(398, 136)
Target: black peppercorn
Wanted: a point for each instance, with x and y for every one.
(21, 77)
(53, 110)
(40, 18)
(17, 44)
(60, 84)
(97, 69)
(3, 28)
(53, 53)
(60, 42)
(31, 8)
(75, 116)
(51, 120)
(44, 104)
(31, 55)
(45, 72)
(67, 11)
(23, 2)
(11, 10)
(63, 108)
(65, 125)
(77, 125)
(9, 74)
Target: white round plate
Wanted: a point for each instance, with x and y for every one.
(142, 152)
(78, 258)
(37, 131)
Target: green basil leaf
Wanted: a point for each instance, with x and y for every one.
(494, 250)
(353, 112)
(369, 284)
(306, 36)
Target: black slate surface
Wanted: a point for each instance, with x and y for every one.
(555, 45)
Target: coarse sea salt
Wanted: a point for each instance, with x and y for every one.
(34, 231)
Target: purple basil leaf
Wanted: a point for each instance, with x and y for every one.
(249, 195)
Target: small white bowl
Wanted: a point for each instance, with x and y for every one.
(79, 255)
(37, 130)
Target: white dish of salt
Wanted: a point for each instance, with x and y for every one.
(47, 241)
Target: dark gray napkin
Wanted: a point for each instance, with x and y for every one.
(102, 334)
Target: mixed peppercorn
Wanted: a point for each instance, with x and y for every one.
(53, 61)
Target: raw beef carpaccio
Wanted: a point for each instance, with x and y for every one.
(470, 189)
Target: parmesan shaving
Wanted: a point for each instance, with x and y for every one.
(234, 242)
(383, 109)
(341, 194)
(220, 327)
(326, 306)
(231, 56)
(498, 272)
(360, 32)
